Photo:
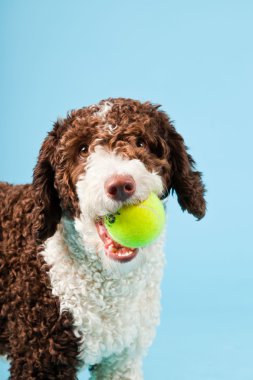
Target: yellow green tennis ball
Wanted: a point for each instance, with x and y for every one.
(137, 225)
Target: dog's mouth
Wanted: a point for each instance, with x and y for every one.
(114, 250)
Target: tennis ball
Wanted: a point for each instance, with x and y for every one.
(137, 225)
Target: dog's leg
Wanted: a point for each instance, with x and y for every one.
(118, 367)
(128, 364)
(26, 368)
(45, 351)
(37, 364)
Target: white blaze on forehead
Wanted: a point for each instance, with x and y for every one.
(104, 108)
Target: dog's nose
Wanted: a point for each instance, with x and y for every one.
(120, 187)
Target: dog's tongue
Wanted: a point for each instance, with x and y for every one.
(113, 249)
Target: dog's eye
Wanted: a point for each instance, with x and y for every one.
(83, 150)
(140, 143)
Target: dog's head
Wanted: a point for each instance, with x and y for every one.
(107, 155)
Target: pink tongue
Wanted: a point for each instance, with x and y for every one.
(112, 248)
(107, 240)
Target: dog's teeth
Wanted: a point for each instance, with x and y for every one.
(125, 254)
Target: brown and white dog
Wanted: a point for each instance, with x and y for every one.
(69, 295)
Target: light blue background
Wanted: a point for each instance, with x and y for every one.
(195, 58)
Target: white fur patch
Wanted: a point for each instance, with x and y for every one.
(94, 202)
(115, 305)
(111, 311)
(60, 120)
(102, 113)
(101, 165)
(104, 109)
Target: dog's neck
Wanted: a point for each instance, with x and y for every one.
(73, 239)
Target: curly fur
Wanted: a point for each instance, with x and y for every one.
(63, 303)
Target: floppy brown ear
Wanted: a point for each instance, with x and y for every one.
(186, 181)
(48, 210)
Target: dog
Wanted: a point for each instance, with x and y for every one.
(69, 295)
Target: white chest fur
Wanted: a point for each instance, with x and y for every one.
(112, 311)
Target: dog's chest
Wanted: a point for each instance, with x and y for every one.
(108, 312)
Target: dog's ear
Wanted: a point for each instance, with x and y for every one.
(185, 180)
(48, 209)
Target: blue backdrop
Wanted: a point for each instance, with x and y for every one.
(195, 58)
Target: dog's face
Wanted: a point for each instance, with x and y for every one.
(104, 156)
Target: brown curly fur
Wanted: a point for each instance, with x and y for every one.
(37, 338)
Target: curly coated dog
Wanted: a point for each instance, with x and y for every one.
(69, 295)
